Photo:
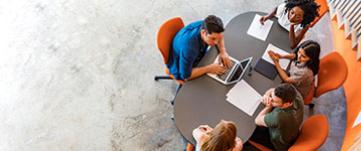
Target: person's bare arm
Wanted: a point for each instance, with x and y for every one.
(269, 16)
(260, 117)
(288, 56)
(279, 69)
(212, 68)
(295, 38)
(226, 61)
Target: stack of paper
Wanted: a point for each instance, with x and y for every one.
(258, 30)
(244, 97)
(283, 62)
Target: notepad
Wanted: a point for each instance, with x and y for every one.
(259, 31)
(266, 69)
(283, 62)
(244, 97)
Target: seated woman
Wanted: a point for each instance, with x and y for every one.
(304, 66)
(295, 16)
(221, 138)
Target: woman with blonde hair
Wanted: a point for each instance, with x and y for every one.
(222, 138)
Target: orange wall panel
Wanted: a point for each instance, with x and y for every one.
(352, 85)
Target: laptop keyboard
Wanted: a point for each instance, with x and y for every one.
(224, 76)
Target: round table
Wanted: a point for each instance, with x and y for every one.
(203, 100)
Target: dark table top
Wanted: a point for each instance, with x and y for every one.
(203, 100)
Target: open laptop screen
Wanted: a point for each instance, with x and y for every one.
(237, 73)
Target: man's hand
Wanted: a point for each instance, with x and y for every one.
(263, 19)
(216, 69)
(266, 100)
(226, 61)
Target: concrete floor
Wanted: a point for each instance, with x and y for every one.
(78, 74)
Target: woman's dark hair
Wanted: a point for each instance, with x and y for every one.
(312, 50)
(309, 7)
(213, 24)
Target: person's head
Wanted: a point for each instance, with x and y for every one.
(222, 138)
(302, 11)
(211, 30)
(308, 52)
(283, 95)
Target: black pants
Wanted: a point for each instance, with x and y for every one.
(260, 136)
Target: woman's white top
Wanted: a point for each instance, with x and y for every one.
(283, 18)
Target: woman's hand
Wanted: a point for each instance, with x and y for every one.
(274, 56)
(263, 19)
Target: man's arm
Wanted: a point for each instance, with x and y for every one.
(260, 117)
(223, 53)
(266, 100)
(212, 68)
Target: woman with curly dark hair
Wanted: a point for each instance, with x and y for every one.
(295, 16)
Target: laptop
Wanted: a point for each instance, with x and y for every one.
(233, 74)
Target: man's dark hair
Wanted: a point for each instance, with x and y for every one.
(286, 92)
(309, 7)
(213, 24)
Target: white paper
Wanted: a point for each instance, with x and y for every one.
(283, 62)
(244, 97)
(258, 30)
(358, 120)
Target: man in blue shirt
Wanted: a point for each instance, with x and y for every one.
(189, 46)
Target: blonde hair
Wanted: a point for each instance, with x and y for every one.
(222, 138)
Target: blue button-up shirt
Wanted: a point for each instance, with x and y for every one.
(188, 49)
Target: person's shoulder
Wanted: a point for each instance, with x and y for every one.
(239, 145)
(195, 24)
(281, 7)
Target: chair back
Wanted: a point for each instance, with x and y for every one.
(190, 147)
(166, 34)
(332, 73)
(313, 134)
(308, 99)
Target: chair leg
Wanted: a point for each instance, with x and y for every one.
(311, 105)
(178, 88)
(156, 78)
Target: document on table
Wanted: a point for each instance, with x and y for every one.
(258, 30)
(244, 97)
(357, 120)
(283, 62)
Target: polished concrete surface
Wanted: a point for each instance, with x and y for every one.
(78, 74)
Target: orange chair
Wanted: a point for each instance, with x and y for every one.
(313, 134)
(190, 147)
(165, 37)
(322, 10)
(331, 75)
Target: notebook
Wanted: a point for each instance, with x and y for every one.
(266, 69)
